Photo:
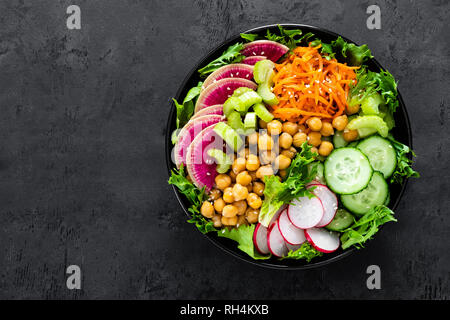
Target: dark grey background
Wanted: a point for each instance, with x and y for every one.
(82, 167)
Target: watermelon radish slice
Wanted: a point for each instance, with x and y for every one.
(270, 49)
(216, 110)
(305, 213)
(188, 134)
(322, 239)
(200, 167)
(275, 241)
(219, 91)
(235, 70)
(260, 239)
(329, 202)
(252, 60)
(291, 234)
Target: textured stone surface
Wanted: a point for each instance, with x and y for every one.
(82, 167)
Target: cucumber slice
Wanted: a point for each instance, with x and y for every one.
(374, 122)
(262, 71)
(353, 144)
(347, 171)
(381, 154)
(338, 140)
(262, 112)
(266, 93)
(223, 161)
(235, 121)
(341, 221)
(229, 135)
(373, 195)
(250, 120)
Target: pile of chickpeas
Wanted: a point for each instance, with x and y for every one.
(236, 198)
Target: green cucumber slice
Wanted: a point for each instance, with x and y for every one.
(373, 195)
(223, 161)
(229, 135)
(341, 221)
(250, 120)
(353, 144)
(374, 122)
(347, 171)
(381, 154)
(262, 112)
(338, 140)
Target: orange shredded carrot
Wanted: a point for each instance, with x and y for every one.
(308, 85)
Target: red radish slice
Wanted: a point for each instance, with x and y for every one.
(305, 213)
(260, 239)
(275, 242)
(329, 203)
(322, 239)
(291, 234)
(293, 247)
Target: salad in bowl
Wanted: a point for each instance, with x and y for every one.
(288, 146)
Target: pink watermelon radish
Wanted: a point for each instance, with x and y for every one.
(235, 70)
(200, 167)
(219, 91)
(322, 239)
(270, 49)
(188, 133)
(253, 59)
(213, 110)
(260, 239)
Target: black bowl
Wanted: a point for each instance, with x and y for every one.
(402, 132)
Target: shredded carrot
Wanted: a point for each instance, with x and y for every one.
(308, 85)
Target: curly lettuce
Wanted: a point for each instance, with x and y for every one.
(306, 251)
(403, 170)
(185, 110)
(231, 55)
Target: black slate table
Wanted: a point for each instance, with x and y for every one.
(82, 167)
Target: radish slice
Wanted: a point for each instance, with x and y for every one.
(275, 241)
(329, 203)
(305, 213)
(293, 247)
(322, 239)
(260, 239)
(291, 234)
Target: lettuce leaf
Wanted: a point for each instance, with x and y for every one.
(353, 54)
(403, 169)
(366, 227)
(289, 37)
(231, 55)
(249, 37)
(277, 193)
(185, 110)
(306, 251)
(243, 235)
(195, 197)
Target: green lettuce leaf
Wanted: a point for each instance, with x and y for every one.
(249, 36)
(195, 197)
(403, 169)
(244, 237)
(231, 55)
(366, 227)
(306, 251)
(185, 110)
(354, 55)
(289, 37)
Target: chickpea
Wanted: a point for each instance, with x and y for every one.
(350, 135)
(290, 128)
(219, 204)
(314, 138)
(262, 124)
(340, 122)
(301, 128)
(241, 221)
(314, 123)
(258, 188)
(282, 162)
(290, 153)
(207, 209)
(253, 138)
(239, 192)
(285, 140)
(265, 142)
(253, 175)
(254, 201)
(274, 127)
(264, 171)
(327, 129)
(214, 194)
(229, 221)
(252, 163)
(232, 175)
(267, 157)
(223, 181)
(252, 215)
(352, 109)
(241, 207)
(315, 150)
(243, 153)
(229, 211)
(238, 165)
(228, 196)
(283, 173)
(325, 148)
(249, 187)
(243, 178)
(299, 139)
(216, 219)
